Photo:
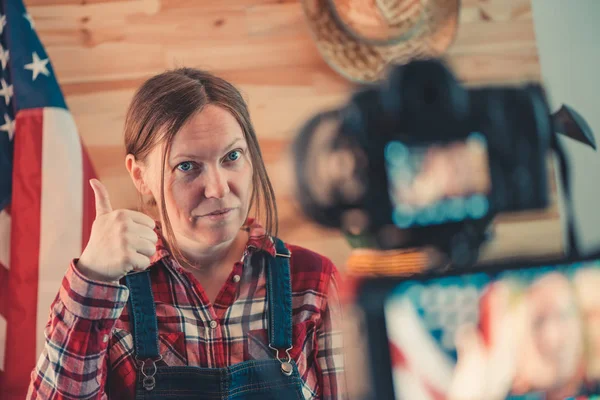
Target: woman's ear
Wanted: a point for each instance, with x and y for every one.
(136, 170)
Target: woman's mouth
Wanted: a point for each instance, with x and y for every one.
(219, 214)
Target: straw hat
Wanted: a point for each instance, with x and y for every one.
(360, 38)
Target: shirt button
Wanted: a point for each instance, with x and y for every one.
(105, 338)
(213, 324)
(236, 278)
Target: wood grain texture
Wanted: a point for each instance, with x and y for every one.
(102, 50)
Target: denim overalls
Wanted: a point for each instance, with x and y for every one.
(275, 378)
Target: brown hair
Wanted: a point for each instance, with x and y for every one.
(160, 108)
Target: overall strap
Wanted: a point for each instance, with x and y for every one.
(143, 315)
(279, 294)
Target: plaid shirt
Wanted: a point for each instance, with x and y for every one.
(89, 349)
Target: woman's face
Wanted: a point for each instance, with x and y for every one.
(208, 179)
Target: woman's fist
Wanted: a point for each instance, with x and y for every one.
(121, 240)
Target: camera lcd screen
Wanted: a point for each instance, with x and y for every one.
(439, 183)
(531, 333)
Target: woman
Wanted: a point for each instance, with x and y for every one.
(199, 300)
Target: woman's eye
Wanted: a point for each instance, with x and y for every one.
(185, 166)
(234, 155)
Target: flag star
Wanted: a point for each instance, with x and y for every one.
(2, 23)
(27, 16)
(38, 66)
(8, 127)
(4, 56)
(6, 91)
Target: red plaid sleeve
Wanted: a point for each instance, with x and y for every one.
(73, 361)
(330, 346)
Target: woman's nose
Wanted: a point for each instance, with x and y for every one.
(216, 184)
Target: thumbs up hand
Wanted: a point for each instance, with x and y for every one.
(121, 240)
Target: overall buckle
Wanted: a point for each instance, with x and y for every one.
(148, 382)
(286, 366)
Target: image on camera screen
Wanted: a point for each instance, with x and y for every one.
(522, 334)
(438, 183)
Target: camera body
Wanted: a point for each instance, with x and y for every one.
(421, 160)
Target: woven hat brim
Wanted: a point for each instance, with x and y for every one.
(365, 63)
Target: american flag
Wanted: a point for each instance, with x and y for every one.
(46, 203)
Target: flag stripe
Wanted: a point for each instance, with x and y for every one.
(3, 297)
(5, 233)
(25, 242)
(4, 265)
(2, 343)
(3, 316)
(89, 202)
(61, 208)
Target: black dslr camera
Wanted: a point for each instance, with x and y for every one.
(421, 160)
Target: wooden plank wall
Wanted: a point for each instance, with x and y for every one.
(102, 50)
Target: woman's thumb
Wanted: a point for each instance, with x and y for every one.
(103, 205)
(469, 380)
